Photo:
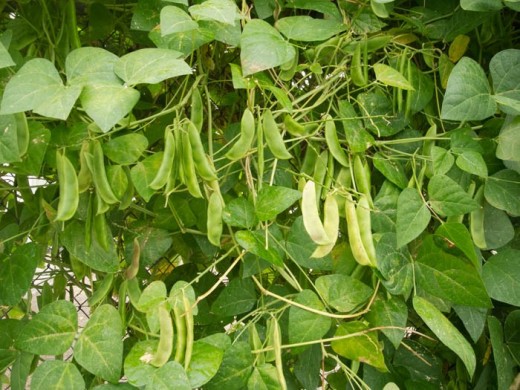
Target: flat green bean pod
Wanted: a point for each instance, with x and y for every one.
(273, 137)
(190, 174)
(165, 168)
(69, 190)
(22, 133)
(276, 343)
(354, 235)
(247, 133)
(165, 347)
(362, 177)
(331, 137)
(365, 227)
(197, 109)
(96, 164)
(202, 165)
(84, 175)
(330, 224)
(214, 224)
(476, 221)
(311, 217)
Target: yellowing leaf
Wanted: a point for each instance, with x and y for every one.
(458, 47)
(363, 347)
(389, 76)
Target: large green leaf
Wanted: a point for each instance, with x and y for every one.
(420, 364)
(458, 235)
(356, 135)
(342, 292)
(175, 20)
(153, 244)
(206, 359)
(413, 216)
(505, 72)
(391, 169)
(137, 367)
(255, 242)
(153, 295)
(143, 174)
(508, 147)
(473, 318)
(51, 331)
(237, 297)
(99, 348)
(95, 256)
(498, 228)
(91, 65)
(126, 149)
(150, 66)
(395, 265)
(307, 365)
(60, 103)
(305, 325)
(472, 162)
(20, 370)
(324, 7)
(17, 271)
(451, 278)
(223, 11)
(185, 42)
(38, 86)
(390, 311)
(364, 347)
(263, 48)
(501, 274)
(171, 376)
(442, 160)
(423, 90)
(468, 95)
(308, 29)
(272, 200)
(502, 191)
(225, 33)
(512, 333)
(235, 369)
(501, 356)
(448, 198)
(5, 58)
(379, 115)
(57, 375)
(108, 103)
(263, 377)
(7, 358)
(240, 212)
(9, 151)
(446, 332)
(481, 5)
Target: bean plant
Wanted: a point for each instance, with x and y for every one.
(260, 194)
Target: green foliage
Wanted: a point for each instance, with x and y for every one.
(260, 195)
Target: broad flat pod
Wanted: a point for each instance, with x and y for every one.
(331, 137)
(273, 137)
(69, 190)
(354, 235)
(311, 216)
(247, 133)
(330, 224)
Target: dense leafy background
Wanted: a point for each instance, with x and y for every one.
(421, 97)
